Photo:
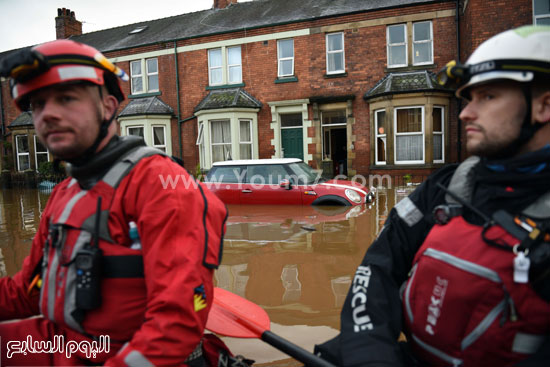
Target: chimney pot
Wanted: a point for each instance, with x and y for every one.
(66, 24)
(221, 4)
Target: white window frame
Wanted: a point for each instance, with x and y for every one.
(282, 59)
(441, 133)
(36, 152)
(216, 67)
(225, 66)
(159, 146)
(381, 136)
(18, 155)
(396, 134)
(245, 142)
(144, 76)
(537, 17)
(430, 41)
(142, 127)
(239, 65)
(342, 51)
(390, 45)
(200, 143)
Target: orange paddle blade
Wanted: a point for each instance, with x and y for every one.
(232, 315)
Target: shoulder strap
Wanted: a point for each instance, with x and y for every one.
(124, 165)
(113, 177)
(462, 183)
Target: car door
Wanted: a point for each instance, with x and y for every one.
(262, 186)
(226, 183)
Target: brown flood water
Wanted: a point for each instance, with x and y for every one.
(295, 262)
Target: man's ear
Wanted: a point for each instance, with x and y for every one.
(541, 107)
(110, 104)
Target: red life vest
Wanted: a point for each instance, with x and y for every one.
(72, 217)
(461, 305)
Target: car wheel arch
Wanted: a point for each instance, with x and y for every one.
(331, 200)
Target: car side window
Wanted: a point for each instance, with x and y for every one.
(229, 174)
(270, 174)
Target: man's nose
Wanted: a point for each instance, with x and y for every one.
(50, 109)
(468, 113)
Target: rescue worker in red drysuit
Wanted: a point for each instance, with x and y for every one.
(462, 264)
(145, 304)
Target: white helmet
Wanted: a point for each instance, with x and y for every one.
(520, 54)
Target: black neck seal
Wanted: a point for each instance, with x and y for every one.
(88, 173)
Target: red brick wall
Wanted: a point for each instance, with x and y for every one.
(481, 20)
(365, 58)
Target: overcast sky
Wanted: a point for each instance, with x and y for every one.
(29, 22)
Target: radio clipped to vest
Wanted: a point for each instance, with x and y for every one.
(88, 263)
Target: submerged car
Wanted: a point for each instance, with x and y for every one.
(288, 181)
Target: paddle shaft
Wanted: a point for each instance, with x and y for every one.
(293, 350)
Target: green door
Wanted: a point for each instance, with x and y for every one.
(293, 143)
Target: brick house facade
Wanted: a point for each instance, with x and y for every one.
(346, 85)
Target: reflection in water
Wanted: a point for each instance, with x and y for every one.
(20, 211)
(295, 262)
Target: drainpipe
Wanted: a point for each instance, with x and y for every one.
(2, 128)
(178, 98)
(459, 102)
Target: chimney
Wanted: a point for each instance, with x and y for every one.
(66, 24)
(220, 4)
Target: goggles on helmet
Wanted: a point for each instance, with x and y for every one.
(59, 62)
(459, 76)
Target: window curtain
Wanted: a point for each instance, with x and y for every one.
(221, 141)
(409, 147)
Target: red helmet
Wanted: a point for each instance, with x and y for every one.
(58, 62)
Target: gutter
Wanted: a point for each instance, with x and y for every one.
(180, 142)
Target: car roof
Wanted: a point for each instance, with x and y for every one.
(249, 162)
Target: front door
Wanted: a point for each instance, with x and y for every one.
(292, 142)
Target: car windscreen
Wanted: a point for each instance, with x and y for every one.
(227, 174)
(302, 174)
